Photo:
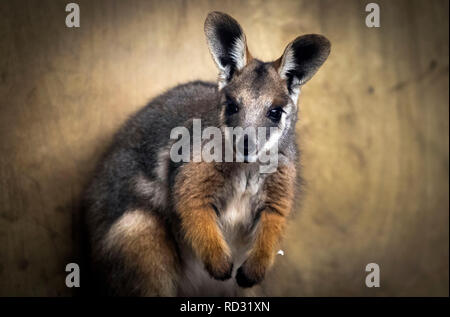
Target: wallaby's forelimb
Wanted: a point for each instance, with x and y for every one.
(198, 217)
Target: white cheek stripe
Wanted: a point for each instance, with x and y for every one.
(273, 140)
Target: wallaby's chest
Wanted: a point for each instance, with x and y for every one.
(241, 195)
(244, 193)
(237, 217)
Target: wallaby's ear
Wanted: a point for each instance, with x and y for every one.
(227, 44)
(301, 59)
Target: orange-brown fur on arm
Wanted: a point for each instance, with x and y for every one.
(279, 190)
(194, 189)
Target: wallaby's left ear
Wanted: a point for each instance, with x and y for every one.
(301, 59)
(227, 43)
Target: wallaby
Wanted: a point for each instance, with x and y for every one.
(158, 227)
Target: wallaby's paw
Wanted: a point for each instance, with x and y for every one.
(249, 275)
(220, 270)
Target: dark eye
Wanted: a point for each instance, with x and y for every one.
(231, 108)
(275, 114)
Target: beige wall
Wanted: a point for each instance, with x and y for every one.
(373, 131)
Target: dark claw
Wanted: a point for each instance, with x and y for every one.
(243, 280)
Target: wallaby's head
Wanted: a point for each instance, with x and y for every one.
(261, 94)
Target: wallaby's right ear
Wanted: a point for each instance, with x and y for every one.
(227, 44)
(301, 60)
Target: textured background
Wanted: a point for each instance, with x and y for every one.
(373, 130)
